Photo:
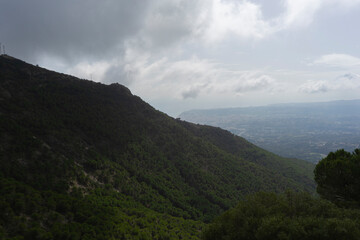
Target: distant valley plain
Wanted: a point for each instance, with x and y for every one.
(307, 131)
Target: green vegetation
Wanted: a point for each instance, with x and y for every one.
(95, 162)
(100, 214)
(300, 215)
(338, 178)
(295, 216)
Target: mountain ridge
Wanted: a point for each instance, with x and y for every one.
(102, 147)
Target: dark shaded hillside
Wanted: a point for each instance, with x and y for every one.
(100, 147)
(292, 168)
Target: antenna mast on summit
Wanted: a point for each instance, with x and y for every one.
(0, 48)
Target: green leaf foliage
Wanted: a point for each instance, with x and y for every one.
(100, 214)
(338, 177)
(82, 153)
(287, 216)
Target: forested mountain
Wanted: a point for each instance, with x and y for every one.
(84, 160)
(306, 131)
(300, 216)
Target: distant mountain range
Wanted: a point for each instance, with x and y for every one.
(84, 160)
(306, 131)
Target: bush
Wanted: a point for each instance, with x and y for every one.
(288, 216)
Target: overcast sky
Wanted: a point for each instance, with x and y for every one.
(184, 54)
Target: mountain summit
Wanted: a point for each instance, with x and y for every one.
(80, 159)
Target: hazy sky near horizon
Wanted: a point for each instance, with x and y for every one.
(182, 54)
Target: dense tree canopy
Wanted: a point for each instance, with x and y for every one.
(338, 177)
(300, 215)
(83, 160)
(288, 216)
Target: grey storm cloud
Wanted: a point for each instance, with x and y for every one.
(69, 29)
(171, 21)
(191, 93)
(116, 74)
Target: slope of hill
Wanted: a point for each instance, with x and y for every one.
(80, 159)
(306, 131)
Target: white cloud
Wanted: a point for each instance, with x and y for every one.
(349, 81)
(314, 87)
(188, 78)
(209, 21)
(93, 71)
(338, 60)
(253, 81)
(94, 29)
(242, 18)
(345, 3)
(212, 21)
(299, 12)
